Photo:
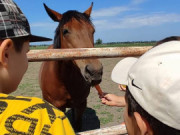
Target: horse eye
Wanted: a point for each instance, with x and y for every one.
(65, 31)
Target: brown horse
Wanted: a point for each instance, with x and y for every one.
(66, 84)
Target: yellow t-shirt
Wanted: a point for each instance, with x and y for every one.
(31, 116)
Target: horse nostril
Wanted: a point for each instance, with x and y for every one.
(88, 70)
(91, 71)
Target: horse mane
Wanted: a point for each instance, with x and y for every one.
(67, 16)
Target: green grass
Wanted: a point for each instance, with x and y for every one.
(38, 47)
(129, 44)
(106, 117)
(98, 106)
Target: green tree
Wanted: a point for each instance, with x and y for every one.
(98, 41)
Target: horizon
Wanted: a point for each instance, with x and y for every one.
(152, 41)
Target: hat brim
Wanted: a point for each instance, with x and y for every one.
(120, 71)
(33, 38)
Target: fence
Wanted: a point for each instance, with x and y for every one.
(113, 130)
(79, 53)
(85, 53)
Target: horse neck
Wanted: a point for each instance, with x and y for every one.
(69, 71)
(71, 77)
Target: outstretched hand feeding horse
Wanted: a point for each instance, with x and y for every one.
(67, 83)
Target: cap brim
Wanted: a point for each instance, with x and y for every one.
(120, 71)
(33, 38)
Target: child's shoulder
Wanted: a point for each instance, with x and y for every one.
(27, 104)
(10, 98)
(34, 111)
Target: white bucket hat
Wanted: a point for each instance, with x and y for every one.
(154, 81)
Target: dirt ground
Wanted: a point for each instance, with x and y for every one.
(96, 115)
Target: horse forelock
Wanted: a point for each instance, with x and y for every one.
(67, 16)
(57, 41)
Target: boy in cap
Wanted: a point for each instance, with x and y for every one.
(153, 91)
(119, 101)
(22, 115)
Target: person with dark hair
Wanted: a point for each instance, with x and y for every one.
(153, 91)
(22, 115)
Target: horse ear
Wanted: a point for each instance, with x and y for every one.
(53, 14)
(88, 11)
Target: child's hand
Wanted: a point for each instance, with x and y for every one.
(113, 100)
(122, 87)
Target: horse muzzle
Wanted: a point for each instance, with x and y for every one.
(92, 75)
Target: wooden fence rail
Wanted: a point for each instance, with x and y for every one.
(83, 53)
(113, 130)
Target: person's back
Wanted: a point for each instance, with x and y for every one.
(22, 115)
(30, 115)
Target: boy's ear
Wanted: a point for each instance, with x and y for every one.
(5, 48)
(142, 124)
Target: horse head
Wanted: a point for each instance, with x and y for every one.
(75, 30)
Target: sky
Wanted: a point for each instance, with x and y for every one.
(114, 20)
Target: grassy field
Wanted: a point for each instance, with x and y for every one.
(96, 115)
(129, 44)
(38, 47)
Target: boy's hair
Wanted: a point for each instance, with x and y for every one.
(18, 43)
(158, 127)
